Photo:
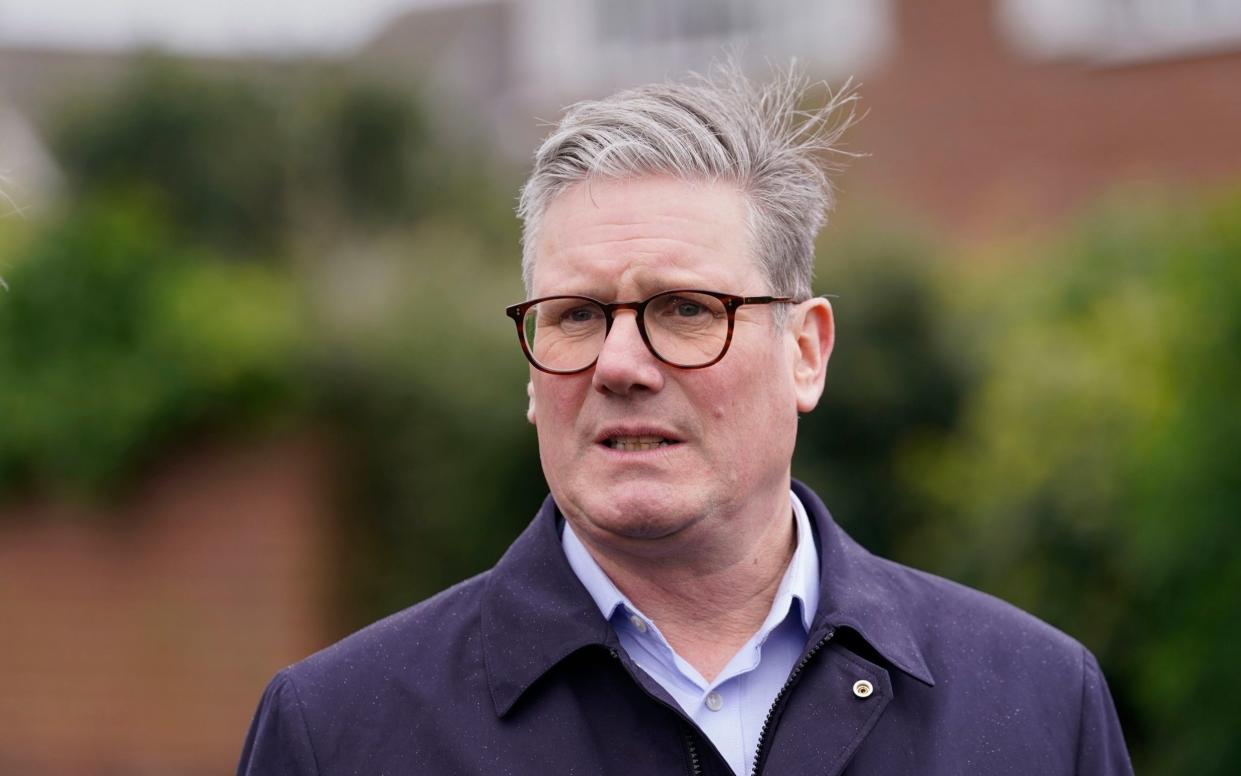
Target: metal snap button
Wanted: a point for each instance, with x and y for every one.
(863, 688)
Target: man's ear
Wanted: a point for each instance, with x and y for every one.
(530, 406)
(814, 331)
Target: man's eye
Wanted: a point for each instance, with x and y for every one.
(681, 307)
(578, 315)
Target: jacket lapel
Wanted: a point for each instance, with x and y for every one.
(535, 612)
(865, 593)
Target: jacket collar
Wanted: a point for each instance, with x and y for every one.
(535, 612)
(867, 594)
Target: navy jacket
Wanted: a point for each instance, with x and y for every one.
(516, 672)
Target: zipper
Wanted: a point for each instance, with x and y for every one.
(687, 735)
(695, 765)
(760, 753)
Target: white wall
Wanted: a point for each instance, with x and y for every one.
(569, 48)
(1120, 30)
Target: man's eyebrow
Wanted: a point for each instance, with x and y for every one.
(590, 291)
(645, 292)
(647, 286)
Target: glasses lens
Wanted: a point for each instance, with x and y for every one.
(565, 333)
(685, 328)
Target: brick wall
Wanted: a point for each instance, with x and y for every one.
(964, 129)
(138, 640)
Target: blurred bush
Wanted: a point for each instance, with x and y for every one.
(210, 152)
(1093, 478)
(182, 284)
(116, 341)
(252, 161)
(242, 245)
(428, 397)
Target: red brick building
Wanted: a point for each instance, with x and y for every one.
(968, 128)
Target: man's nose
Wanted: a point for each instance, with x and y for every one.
(625, 363)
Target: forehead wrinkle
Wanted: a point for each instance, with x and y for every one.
(648, 267)
(606, 245)
(661, 227)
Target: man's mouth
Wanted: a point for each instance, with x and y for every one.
(635, 444)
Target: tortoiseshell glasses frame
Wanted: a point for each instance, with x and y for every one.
(682, 306)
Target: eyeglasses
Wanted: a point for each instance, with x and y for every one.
(685, 328)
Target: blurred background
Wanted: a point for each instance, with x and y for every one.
(257, 388)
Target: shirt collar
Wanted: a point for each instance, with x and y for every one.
(536, 612)
(800, 580)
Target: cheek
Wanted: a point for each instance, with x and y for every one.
(554, 427)
(753, 405)
(556, 398)
(774, 410)
(557, 405)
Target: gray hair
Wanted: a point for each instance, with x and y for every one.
(718, 127)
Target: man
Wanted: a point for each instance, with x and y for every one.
(679, 604)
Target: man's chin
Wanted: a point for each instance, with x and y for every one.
(639, 511)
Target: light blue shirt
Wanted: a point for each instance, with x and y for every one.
(730, 710)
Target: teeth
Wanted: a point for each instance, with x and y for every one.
(636, 444)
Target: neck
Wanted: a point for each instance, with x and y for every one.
(711, 595)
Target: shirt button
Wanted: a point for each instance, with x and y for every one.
(714, 701)
(863, 688)
(638, 623)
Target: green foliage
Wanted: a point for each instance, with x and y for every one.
(1093, 480)
(246, 161)
(443, 467)
(208, 149)
(115, 341)
(155, 305)
(372, 144)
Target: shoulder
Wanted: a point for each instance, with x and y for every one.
(1008, 673)
(376, 696)
(949, 607)
(412, 652)
(936, 629)
(982, 646)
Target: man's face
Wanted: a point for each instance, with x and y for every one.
(732, 425)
